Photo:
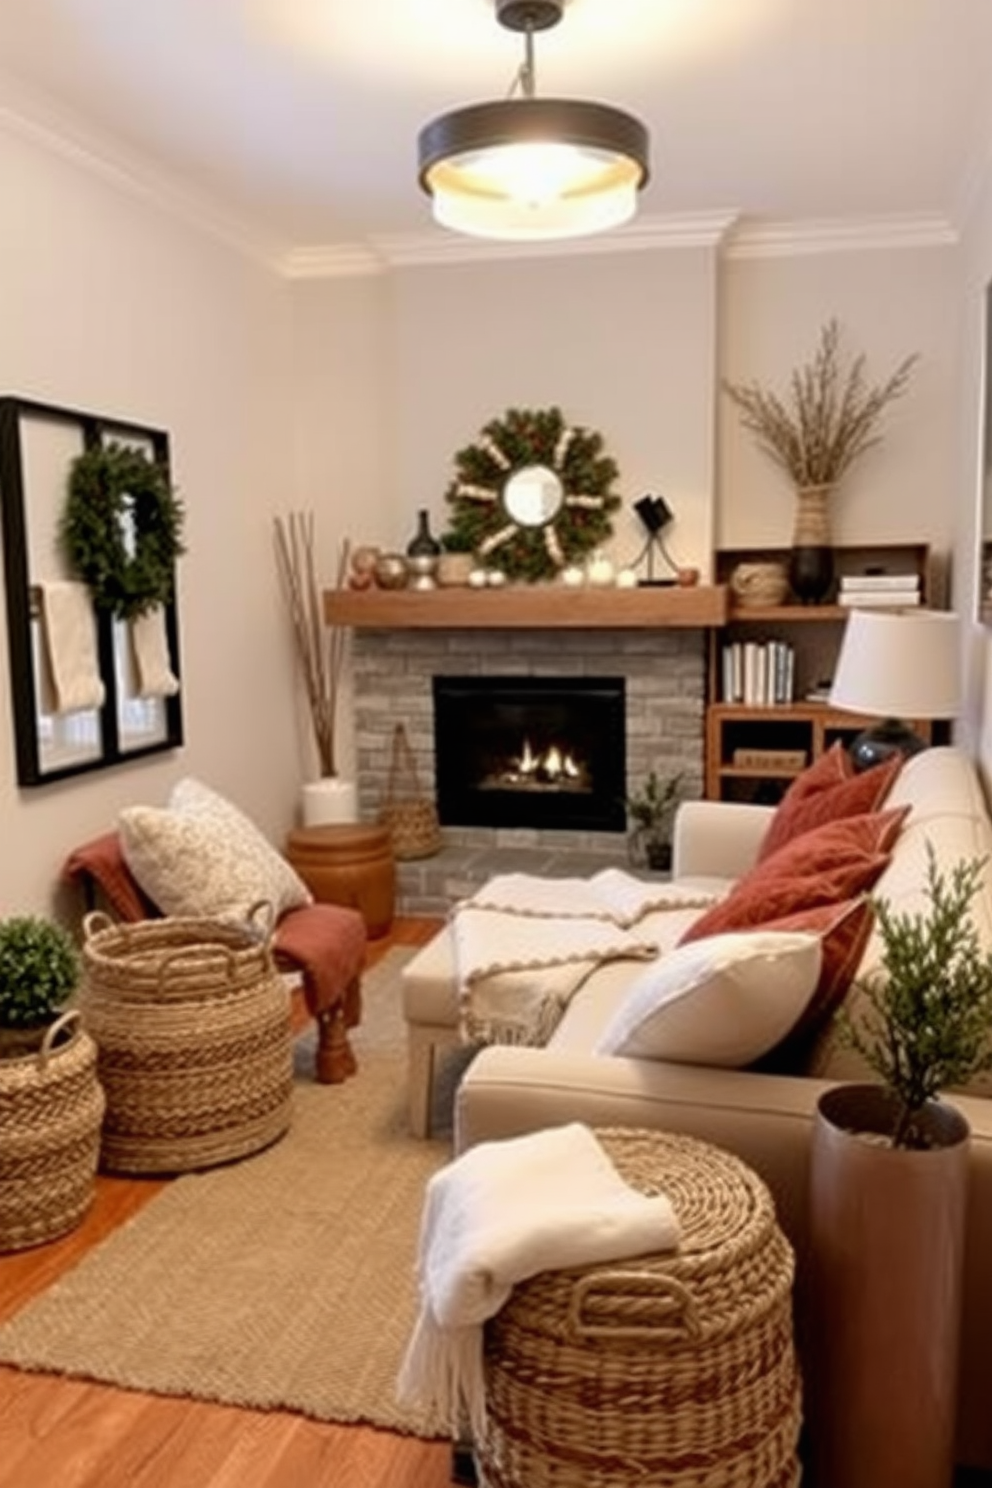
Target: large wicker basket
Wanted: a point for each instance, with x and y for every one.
(51, 1107)
(677, 1369)
(192, 1024)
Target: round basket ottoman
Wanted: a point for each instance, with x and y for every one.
(192, 1026)
(676, 1369)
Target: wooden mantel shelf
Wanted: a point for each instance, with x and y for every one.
(527, 607)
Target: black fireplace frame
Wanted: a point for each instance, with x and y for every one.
(604, 811)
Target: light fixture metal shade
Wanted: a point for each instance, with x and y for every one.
(899, 666)
(534, 168)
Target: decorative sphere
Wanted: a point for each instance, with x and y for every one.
(627, 579)
(477, 578)
(573, 576)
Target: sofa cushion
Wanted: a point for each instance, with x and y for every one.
(722, 1001)
(844, 931)
(201, 856)
(828, 865)
(824, 793)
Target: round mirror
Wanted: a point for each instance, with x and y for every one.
(533, 495)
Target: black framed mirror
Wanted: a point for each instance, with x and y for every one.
(90, 690)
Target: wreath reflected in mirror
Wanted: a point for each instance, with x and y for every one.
(121, 529)
(533, 495)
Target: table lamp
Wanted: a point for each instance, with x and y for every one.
(896, 666)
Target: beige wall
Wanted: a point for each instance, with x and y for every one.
(889, 303)
(107, 304)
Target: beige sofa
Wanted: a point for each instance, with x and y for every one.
(766, 1119)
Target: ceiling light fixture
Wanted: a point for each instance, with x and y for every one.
(528, 168)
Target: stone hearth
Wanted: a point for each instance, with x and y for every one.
(664, 670)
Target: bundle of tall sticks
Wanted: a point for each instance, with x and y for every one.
(320, 648)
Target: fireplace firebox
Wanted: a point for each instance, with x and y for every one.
(543, 752)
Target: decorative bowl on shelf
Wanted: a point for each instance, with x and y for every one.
(757, 585)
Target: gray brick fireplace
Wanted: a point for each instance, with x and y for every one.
(392, 673)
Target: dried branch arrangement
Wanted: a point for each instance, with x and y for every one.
(320, 648)
(828, 418)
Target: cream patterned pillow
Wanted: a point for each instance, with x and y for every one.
(724, 1000)
(202, 856)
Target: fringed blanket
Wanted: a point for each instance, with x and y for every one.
(523, 945)
(500, 1213)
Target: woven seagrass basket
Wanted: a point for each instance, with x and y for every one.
(675, 1369)
(192, 1024)
(51, 1107)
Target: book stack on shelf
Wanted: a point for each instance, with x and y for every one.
(879, 590)
(757, 673)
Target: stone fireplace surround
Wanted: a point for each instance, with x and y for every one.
(664, 670)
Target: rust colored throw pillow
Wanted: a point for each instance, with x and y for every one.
(804, 806)
(827, 865)
(844, 930)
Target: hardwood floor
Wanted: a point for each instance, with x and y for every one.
(62, 1433)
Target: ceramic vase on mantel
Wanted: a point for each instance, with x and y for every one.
(811, 560)
(328, 800)
(886, 1242)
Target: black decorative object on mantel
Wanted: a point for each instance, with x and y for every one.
(423, 551)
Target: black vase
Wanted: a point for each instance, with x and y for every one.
(811, 560)
(811, 573)
(423, 544)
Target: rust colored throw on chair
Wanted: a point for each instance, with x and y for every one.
(325, 943)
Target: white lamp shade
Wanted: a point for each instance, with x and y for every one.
(904, 665)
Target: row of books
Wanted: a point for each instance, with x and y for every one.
(879, 591)
(757, 673)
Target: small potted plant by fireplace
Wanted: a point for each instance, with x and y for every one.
(651, 812)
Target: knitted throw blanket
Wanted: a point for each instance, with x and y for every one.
(524, 945)
(500, 1213)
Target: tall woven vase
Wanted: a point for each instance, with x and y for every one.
(811, 561)
(887, 1244)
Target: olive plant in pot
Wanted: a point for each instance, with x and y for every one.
(51, 1105)
(651, 812)
(888, 1184)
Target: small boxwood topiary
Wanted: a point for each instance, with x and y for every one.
(39, 970)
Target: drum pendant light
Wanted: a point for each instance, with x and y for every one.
(529, 168)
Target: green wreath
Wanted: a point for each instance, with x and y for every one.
(524, 437)
(121, 529)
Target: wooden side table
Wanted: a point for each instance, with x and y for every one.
(349, 863)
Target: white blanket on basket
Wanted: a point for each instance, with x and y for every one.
(524, 945)
(500, 1213)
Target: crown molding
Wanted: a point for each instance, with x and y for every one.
(31, 116)
(788, 239)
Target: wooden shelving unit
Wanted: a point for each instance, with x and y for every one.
(814, 632)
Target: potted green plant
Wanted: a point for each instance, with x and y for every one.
(651, 811)
(888, 1183)
(39, 971)
(457, 557)
(51, 1102)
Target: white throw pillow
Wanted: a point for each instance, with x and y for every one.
(725, 1000)
(202, 856)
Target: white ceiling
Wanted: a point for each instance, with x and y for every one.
(294, 122)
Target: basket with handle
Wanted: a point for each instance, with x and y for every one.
(676, 1369)
(192, 1023)
(407, 812)
(51, 1107)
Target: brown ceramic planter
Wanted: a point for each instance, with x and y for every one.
(886, 1250)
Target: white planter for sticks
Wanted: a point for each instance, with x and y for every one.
(886, 1253)
(329, 799)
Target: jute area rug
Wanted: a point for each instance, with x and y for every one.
(283, 1281)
